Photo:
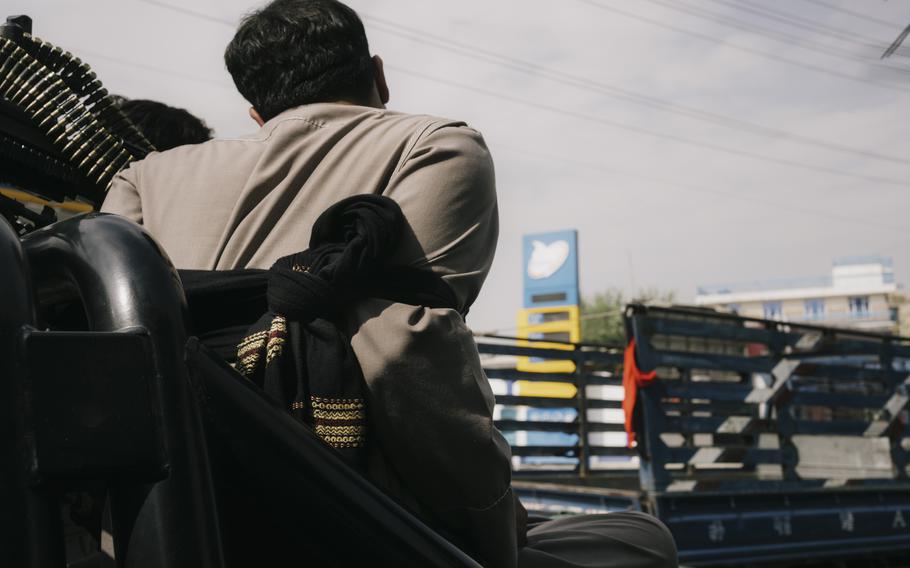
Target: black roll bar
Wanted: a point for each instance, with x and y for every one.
(26, 513)
(125, 281)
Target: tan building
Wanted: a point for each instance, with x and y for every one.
(860, 294)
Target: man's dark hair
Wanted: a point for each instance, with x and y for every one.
(297, 52)
(165, 126)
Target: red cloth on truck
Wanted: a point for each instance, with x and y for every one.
(632, 379)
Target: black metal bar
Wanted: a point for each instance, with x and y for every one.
(729, 331)
(583, 344)
(562, 451)
(725, 392)
(743, 455)
(709, 424)
(15, 312)
(304, 485)
(837, 345)
(523, 351)
(612, 451)
(832, 427)
(652, 472)
(555, 426)
(125, 281)
(537, 426)
(581, 399)
(891, 411)
(713, 361)
(552, 402)
(851, 373)
(838, 400)
(514, 375)
(571, 451)
(587, 352)
(656, 311)
(30, 529)
(781, 405)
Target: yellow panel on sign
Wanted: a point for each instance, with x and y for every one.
(547, 389)
(539, 324)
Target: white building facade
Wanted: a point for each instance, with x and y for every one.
(859, 294)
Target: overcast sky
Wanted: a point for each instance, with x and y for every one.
(689, 141)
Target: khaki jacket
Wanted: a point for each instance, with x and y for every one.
(245, 202)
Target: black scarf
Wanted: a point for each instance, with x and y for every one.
(296, 351)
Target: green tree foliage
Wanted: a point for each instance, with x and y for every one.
(601, 314)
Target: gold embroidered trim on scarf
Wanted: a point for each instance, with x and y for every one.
(277, 333)
(350, 430)
(249, 352)
(322, 403)
(339, 421)
(336, 414)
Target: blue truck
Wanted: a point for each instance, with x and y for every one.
(758, 441)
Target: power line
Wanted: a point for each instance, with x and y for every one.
(640, 130)
(649, 132)
(597, 166)
(771, 33)
(154, 69)
(775, 205)
(897, 43)
(859, 15)
(757, 52)
(588, 84)
(770, 203)
(803, 23)
(581, 82)
(190, 12)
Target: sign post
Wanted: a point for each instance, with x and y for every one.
(551, 299)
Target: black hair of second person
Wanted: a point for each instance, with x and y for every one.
(165, 126)
(297, 52)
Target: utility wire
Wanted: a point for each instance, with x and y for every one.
(616, 124)
(859, 15)
(581, 82)
(190, 12)
(802, 23)
(649, 132)
(897, 43)
(773, 34)
(775, 205)
(491, 93)
(152, 68)
(612, 91)
(753, 51)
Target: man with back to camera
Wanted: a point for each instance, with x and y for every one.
(319, 98)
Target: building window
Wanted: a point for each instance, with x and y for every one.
(858, 306)
(733, 308)
(814, 309)
(773, 310)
